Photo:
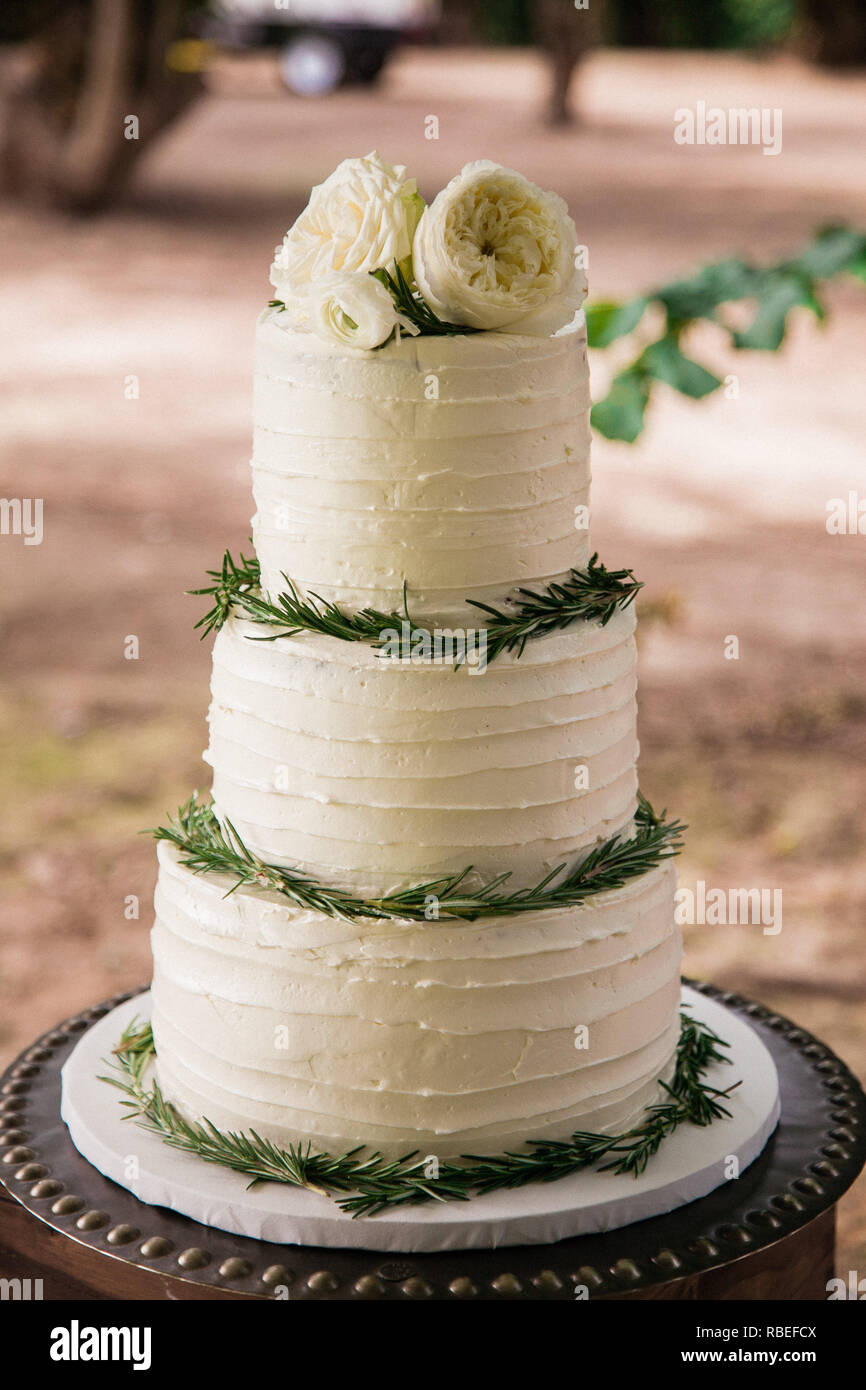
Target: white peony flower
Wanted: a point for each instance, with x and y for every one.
(494, 251)
(362, 218)
(354, 310)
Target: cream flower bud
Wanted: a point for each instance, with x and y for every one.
(362, 218)
(494, 251)
(353, 310)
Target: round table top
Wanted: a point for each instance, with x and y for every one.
(814, 1155)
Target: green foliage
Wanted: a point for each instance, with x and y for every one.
(366, 1183)
(408, 299)
(774, 291)
(504, 21)
(591, 595)
(208, 845)
(713, 24)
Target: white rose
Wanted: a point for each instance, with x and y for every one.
(362, 218)
(494, 251)
(353, 310)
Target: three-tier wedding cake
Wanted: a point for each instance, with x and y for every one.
(421, 445)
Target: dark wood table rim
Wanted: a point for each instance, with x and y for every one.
(105, 1238)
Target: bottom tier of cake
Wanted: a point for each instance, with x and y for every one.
(442, 1036)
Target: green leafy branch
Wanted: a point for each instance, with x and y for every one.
(208, 845)
(776, 290)
(593, 594)
(236, 586)
(369, 1184)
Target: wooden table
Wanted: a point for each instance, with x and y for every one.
(767, 1235)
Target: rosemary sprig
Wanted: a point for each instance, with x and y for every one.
(208, 845)
(412, 306)
(234, 582)
(237, 585)
(593, 594)
(368, 1183)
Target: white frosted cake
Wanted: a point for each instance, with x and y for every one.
(457, 466)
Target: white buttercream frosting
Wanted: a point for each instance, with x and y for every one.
(458, 465)
(374, 774)
(441, 1035)
(455, 464)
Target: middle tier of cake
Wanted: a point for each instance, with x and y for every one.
(372, 773)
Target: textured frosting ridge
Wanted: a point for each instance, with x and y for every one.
(458, 464)
(444, 1034)
(374, 774)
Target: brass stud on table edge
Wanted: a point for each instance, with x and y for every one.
(47, 1187)
(19, 1154)
(508, 1285)
(323, 1281)
(768, 1220)
(92, 1220)
(703, 1249)
(625, 1271)
(235, 1268)
(824, 1169)
(810, 1187)
(31, 1172)
(463, 1287)
(734, 1235)
(278, 1274)
(786, 1201)
(67, 1206)
(416, 1287)
(547, 1281)
(193, 1258)
(667, 1260)
(155, 1247)
(370, 1286)
(844, 1136)
(122, 1234)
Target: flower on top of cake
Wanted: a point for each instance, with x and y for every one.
(366, 259)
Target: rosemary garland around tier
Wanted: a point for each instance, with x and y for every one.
(591, 594)
(367, 1183)
(208, 845)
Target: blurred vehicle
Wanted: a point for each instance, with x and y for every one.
(323, 43)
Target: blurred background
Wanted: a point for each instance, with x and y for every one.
(151, 157)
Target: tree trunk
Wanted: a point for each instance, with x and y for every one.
(834, 32)
(68, 95)
(565, 33)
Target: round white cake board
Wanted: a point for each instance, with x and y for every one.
(689, 1164)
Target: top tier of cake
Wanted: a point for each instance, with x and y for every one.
(457, 464)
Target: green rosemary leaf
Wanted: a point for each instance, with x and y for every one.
(364, 1183)
(208, 845)
(593, 594)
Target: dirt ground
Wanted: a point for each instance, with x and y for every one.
(720, 507)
